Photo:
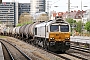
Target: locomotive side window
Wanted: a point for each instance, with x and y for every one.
(64, 28)
(35, 31)
(54, 28)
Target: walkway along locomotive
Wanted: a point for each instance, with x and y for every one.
(53, 35)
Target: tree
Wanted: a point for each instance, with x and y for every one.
(25, 18)
(78, 26)
(71, 22)
(87, 26)
(42, 17)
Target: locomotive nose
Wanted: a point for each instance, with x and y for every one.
(57, 36)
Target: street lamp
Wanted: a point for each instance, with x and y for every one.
(82, 17)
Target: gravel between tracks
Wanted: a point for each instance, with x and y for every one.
(33, 52)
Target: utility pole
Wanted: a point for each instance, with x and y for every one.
(0, 1)
(48, 7)
(68, 8)
(81, 18)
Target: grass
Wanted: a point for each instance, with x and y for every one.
(3, 36)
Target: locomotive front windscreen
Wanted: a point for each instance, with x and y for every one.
(54, 28)
(64, 28)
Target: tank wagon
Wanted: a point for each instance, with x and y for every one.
(53, 35)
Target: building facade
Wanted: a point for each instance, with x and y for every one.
(10, 12)
(37, 6)
(23, 8)
(86, 16)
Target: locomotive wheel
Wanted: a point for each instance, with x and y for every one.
(44, 45)
(35, 42)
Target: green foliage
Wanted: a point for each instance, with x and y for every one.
(79, 26)
(30, 22)
(21, 24)
(3, 36)
(0, 22)
(25, 18)
(87, 26)
(71, 21)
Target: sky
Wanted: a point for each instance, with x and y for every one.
(62, 4)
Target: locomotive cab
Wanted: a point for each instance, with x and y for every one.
(59, 32)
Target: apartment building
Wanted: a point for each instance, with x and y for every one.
(10, 12)
(37, 6)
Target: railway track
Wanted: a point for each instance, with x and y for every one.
(81, 52)
(6, 52)
(76, 56)
(68, 56)
(71, 54)
(12, 52)
(64, 56)
(87, 50)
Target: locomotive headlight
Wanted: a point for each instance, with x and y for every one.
(52, 38)
(67, 38)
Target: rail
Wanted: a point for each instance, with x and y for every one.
(80, 39)
(19, 51)
(10, 55)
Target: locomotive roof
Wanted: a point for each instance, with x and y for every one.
(57, 21)
(43, 24)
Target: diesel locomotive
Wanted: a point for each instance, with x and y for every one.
(53, 35)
